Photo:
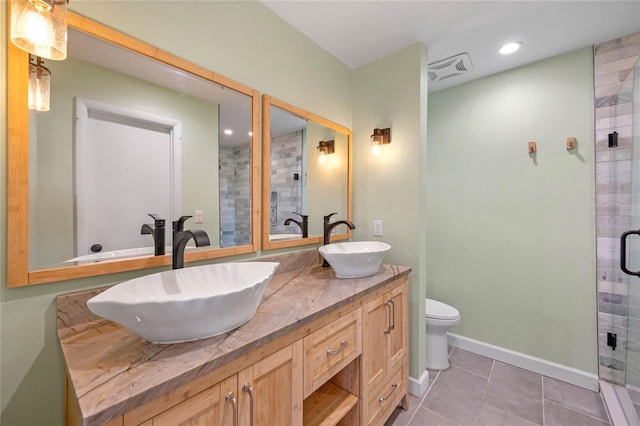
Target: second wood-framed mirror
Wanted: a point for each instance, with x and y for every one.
(306, 174)
(110, 78)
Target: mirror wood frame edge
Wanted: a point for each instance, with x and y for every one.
(267, 102)
(18, 273)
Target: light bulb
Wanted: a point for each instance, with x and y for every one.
(43, 92)
(510, 48)
(40, 27)
(322, 158)
(33, 86)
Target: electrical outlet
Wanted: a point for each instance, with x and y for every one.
(199, 216)
(378, 230)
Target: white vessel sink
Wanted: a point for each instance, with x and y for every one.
(187, 304)
(355, 259)
(117, 254)
(124, 253)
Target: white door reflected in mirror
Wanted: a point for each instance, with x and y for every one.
(119, 153)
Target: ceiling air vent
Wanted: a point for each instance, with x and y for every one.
(450, 67)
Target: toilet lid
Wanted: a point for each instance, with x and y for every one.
(439, 310)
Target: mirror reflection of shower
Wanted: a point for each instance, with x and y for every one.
(234, 168)
(288, 172)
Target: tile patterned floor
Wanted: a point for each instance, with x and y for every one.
(479, 391)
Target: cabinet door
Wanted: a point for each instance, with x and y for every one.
(375, 321)
(187, 405)
(199, 410)
(384, 353)
(270, 391)
(397, 338)
(228, 402)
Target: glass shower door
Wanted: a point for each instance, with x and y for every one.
(630, 249)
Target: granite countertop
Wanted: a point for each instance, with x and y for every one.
(113, 370)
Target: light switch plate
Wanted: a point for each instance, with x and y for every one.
(199, 216)
(378, 230)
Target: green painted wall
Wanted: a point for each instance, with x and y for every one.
(511, 237)
(326, 184)
(241, 40)
(392, 92)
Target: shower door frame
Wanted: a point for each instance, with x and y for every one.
(617, 100)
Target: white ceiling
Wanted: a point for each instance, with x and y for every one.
(362, 31)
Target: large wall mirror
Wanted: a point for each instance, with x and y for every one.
(306, 173)
(131, 131)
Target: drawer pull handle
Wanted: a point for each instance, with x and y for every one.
(343, 344)
(393, 314)
(231, 397)
(394, 386)
(388, 305)
(249, 389)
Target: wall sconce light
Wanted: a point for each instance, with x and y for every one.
(40, 27)
(325, 148)
(380, 137)
(39, 84)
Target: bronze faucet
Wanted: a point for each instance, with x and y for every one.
(303, 224)
(328, 227)
(157, 232)
(182, 237)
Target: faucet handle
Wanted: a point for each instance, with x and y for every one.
(158, 221)
(303, 216)
(178, 225)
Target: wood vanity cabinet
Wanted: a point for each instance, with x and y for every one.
(348, 367)
(204, 408)
(276, 385)
(385, 335)
(330, 349)
(267, 393)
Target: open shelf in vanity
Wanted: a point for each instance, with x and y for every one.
(328, 405)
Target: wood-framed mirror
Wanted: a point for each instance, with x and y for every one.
(48, 236)
(306, 171)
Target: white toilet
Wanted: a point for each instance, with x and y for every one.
(440, 318)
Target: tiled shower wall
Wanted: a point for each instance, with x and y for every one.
(235, 195)
(286, 191)
(618, 313)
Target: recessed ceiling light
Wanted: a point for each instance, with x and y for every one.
(228, 132)
(250, 133)
(510, 48)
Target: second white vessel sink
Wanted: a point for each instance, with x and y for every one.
(355, 259)
(187, 304)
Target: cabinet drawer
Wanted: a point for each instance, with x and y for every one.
(385, 398)
(330, 349)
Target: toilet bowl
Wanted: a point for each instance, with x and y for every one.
(440, 317)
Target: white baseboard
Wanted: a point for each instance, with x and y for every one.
(538, 365)
(418, 387)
